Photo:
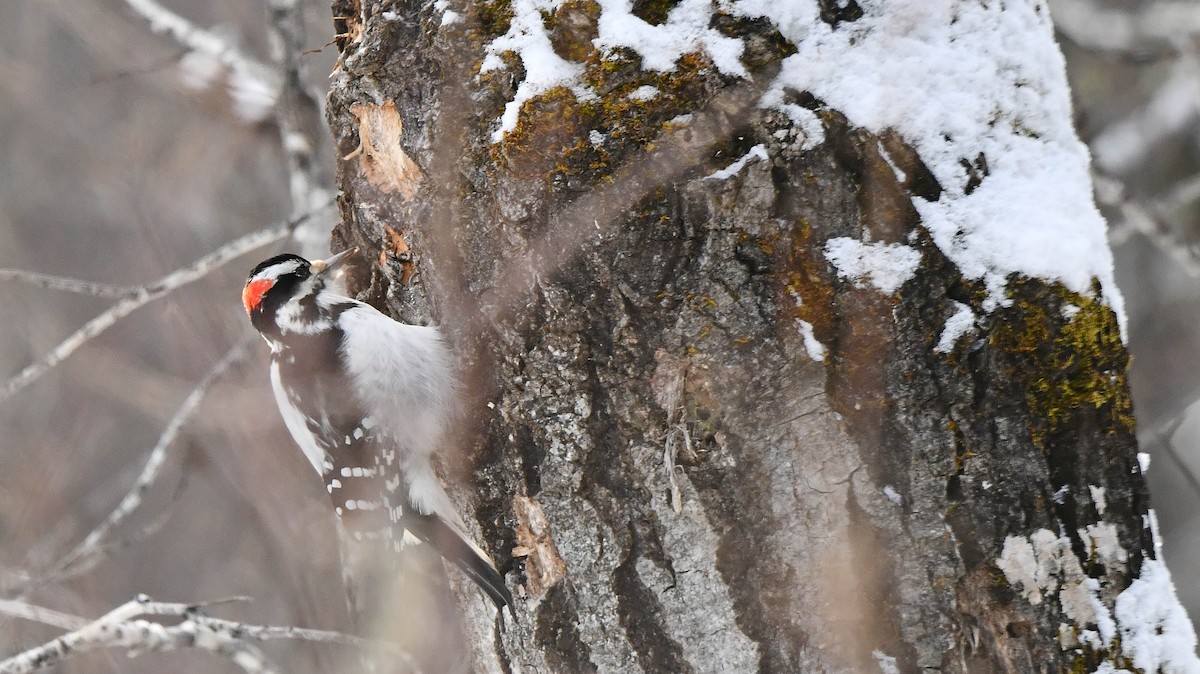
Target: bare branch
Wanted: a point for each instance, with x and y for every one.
(120, 628)
(85, 555)
(46, 616)
(125, 627)
(1147, 220)
(146, 294)
(64, 284)
(298, 109)
(1184, 192)
(252, 85)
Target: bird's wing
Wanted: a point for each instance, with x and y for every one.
(365, 477)
(327, 422)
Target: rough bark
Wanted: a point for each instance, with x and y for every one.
(619, 312)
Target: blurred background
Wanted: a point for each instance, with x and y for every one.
(125, 156)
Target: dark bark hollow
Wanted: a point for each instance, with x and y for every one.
(655, 457)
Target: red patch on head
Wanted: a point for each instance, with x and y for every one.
(252, 294)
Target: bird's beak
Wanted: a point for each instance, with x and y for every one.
(333, 262)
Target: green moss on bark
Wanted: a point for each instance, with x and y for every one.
(553, 137)
(495, 17)
(1071, 358)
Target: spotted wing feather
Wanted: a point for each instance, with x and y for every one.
(365, 481)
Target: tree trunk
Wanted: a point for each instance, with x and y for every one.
(764, 367)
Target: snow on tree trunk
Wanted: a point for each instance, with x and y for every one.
(790, 330)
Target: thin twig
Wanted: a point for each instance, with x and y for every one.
(1147, 221)
(126, 627)
(146, 294)
(84, 556)
(46, 616)
(1183, 193)
(69, 285)
(108, 549)
(1163, 434)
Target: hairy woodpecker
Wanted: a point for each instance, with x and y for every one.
(368, 400)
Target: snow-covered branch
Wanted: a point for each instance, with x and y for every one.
(126, 627)
(146, 294)
(253, 86)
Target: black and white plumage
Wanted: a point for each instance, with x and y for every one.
(368, 400)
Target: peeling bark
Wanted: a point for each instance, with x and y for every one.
(821, 516)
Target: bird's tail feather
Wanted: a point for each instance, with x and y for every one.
(457, 548)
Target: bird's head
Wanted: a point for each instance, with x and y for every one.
(283, 279)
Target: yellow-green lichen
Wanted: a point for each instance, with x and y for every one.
(495, 16)
(572, 27)
(654, 12)
(555, 135)
(1070, 355)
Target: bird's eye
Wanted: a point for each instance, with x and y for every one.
(303, 272)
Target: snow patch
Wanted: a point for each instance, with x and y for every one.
(816, 350)
(962, 322)
(886, 266)
(198, 70)
(887, 663)
(449, 16)
(1155, 630)
(756, 152)
(644, 93)
(544, 69)
(1103, 542)
(892, 495)
(1060, 496)
(1003, 108)
(1098, 498)
(686, 30)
